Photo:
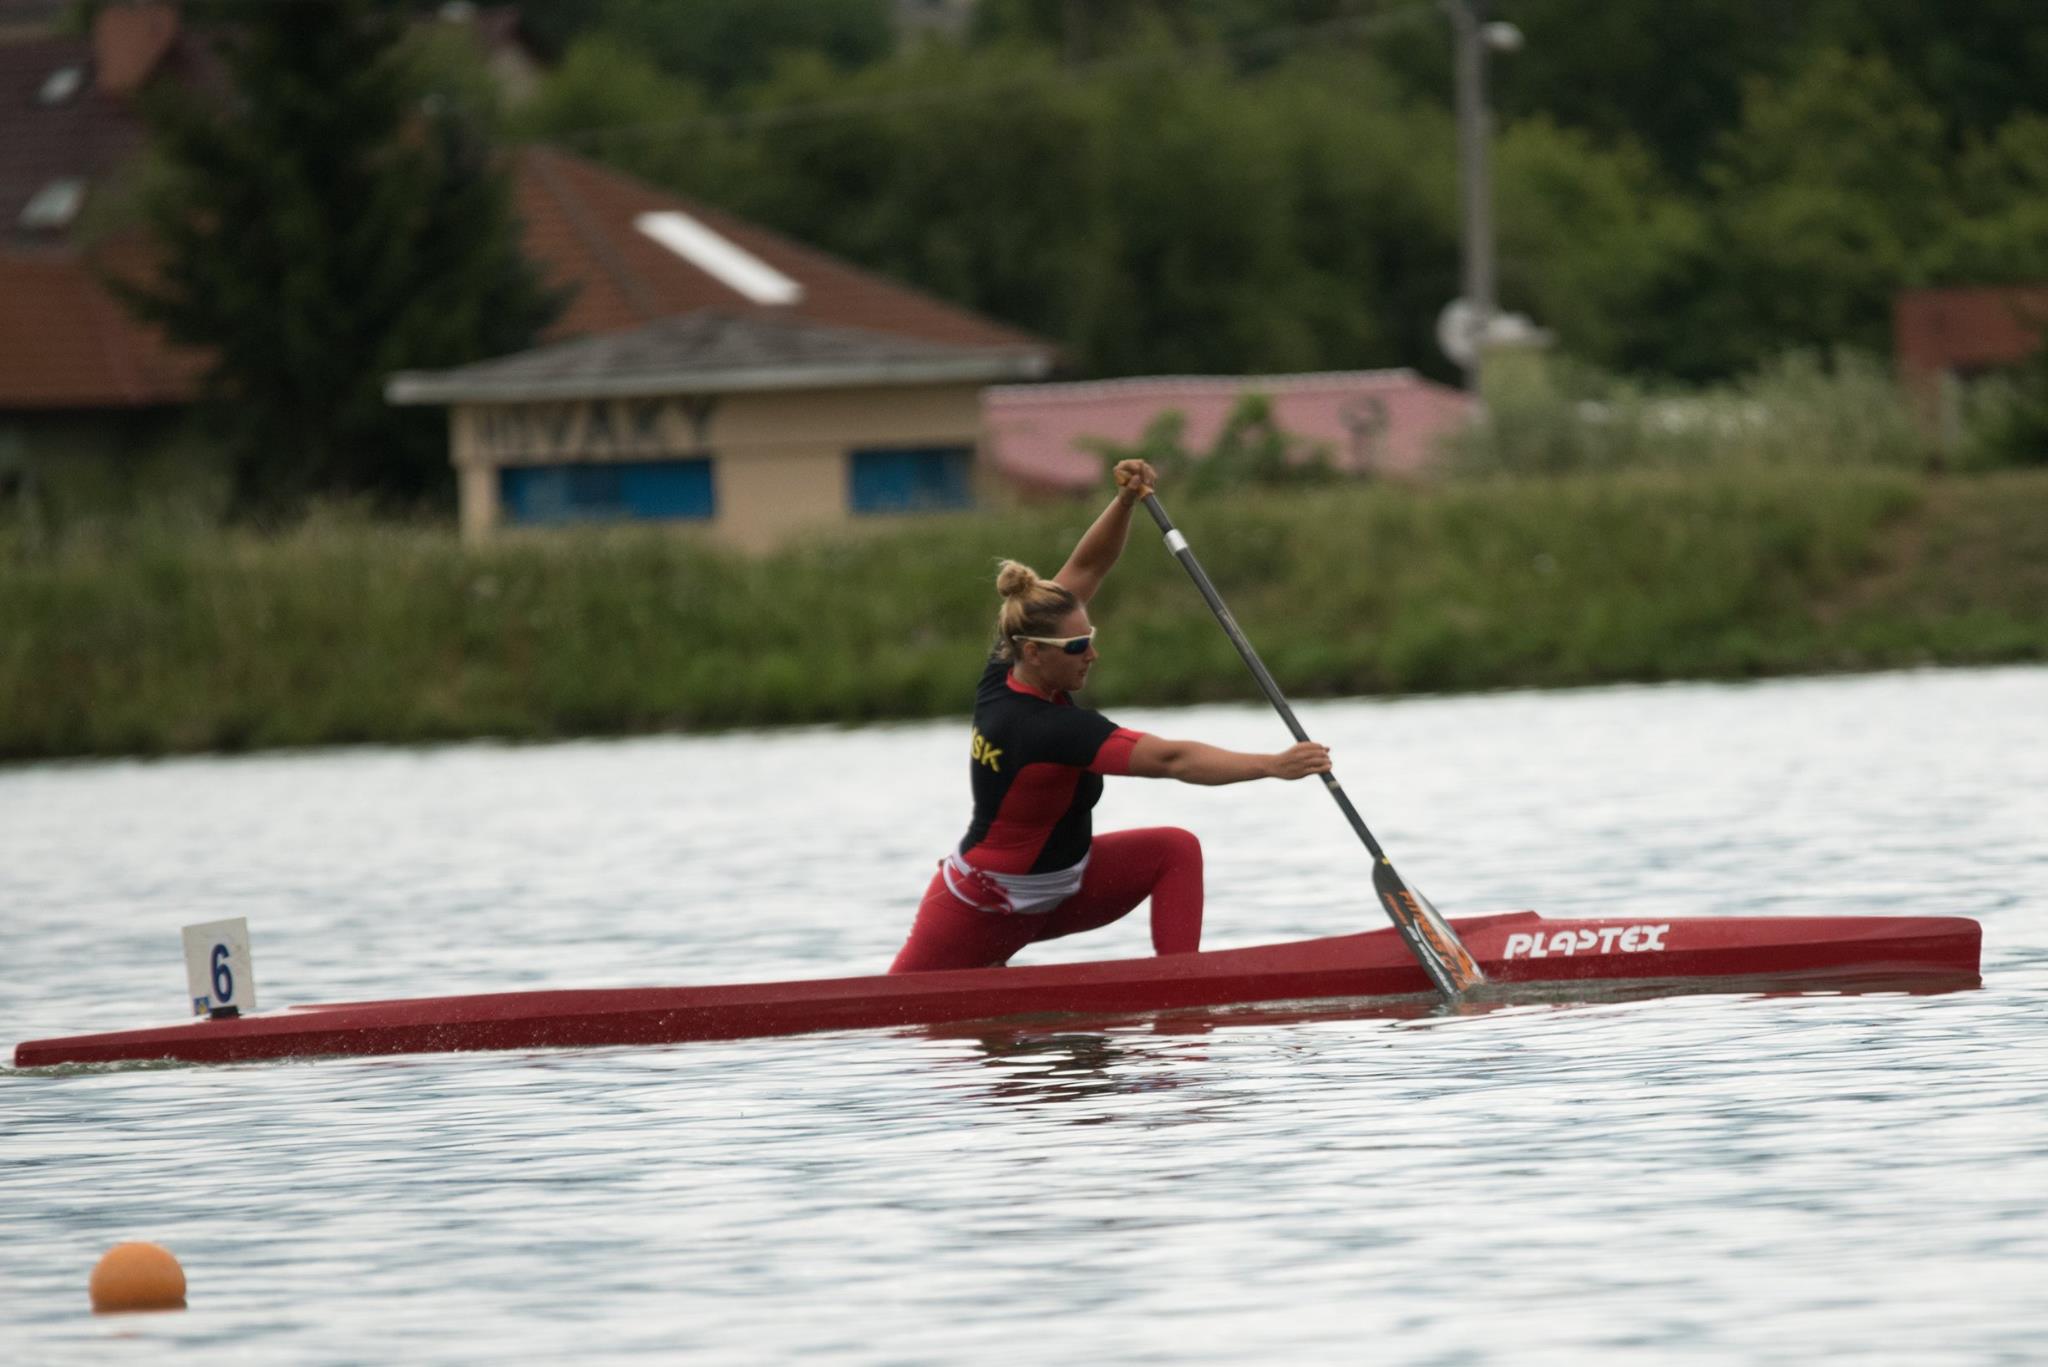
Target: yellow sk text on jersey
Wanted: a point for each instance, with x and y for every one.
(984, 753)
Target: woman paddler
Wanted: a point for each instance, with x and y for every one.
(1029, 867)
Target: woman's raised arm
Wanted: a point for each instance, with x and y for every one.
(1097, 551)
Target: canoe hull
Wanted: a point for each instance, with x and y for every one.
(1520, 951)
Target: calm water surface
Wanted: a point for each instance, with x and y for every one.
(1731, 1178)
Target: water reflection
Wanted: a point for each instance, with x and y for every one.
(1025, 1068)
(1050, 1061)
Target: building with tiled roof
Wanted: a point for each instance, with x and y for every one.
(77, 372)
(67, 114)
(78, 375)
(759, 423)
(716, 372)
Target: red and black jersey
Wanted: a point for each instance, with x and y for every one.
(1037, 762)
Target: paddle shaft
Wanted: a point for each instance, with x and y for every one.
(1433, 943)
(1178, 544)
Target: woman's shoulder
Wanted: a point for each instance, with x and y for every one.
(994, 686)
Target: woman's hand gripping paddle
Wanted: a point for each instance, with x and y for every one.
(1428, 936)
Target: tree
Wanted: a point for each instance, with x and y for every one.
(1591, 242)
(553, 25)
(1690, 187)
(2007, 421)
(1666, 76)
(725, 44)
(608, 100)
(1086, 30)
(320, 228)
(2001, 235)
(1981, 64)
(1161, 214)
(1369, 182)
(1828, 197)
(992, 199)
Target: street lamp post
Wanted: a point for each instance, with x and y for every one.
(1473, 36)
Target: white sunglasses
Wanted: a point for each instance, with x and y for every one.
(1072, 645)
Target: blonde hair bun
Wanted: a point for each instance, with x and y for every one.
(1016, 579)
(1031, 606)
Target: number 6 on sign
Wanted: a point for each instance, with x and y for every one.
(218, 972)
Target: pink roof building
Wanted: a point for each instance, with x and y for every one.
(1374, 422)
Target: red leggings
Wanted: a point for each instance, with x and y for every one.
(1124, 868)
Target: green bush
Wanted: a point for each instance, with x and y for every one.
(343, 629)
(2004, 417)
(1251, 451)
(1554, 415)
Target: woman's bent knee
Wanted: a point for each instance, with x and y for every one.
(1182, 846)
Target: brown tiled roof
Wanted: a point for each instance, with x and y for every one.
(65, 343)
(579, 224)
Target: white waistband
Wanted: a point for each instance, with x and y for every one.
(1029, 894)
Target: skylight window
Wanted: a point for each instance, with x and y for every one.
(61, 84)
(55, 205)
(720, 257)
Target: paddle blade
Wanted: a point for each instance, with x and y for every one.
(1444, 957)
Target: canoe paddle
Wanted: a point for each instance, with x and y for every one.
(1428, 936)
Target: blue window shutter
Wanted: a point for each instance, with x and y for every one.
(903, 479)
(679, 490)
(612, 491)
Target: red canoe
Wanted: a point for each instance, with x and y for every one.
(1521, 950)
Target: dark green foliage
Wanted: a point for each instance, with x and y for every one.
(1981, 64)
(1252, 30)
(723, 44)
(2000, 233)
(2010, 425)
(1688, 188)
(322, 227)
(1828, 195)
(1670, 75)
(719, 44)
(1166, 217)
(1666, 76)
(550, 26)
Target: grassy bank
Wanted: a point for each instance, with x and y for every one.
(344, 631)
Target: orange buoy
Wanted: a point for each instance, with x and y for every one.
(137, 1276)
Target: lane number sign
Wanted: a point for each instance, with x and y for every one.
(218, 973)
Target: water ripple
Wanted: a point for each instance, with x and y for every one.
(1747, 1177)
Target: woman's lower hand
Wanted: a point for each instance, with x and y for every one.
(1299, 761)
(1134, 480)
